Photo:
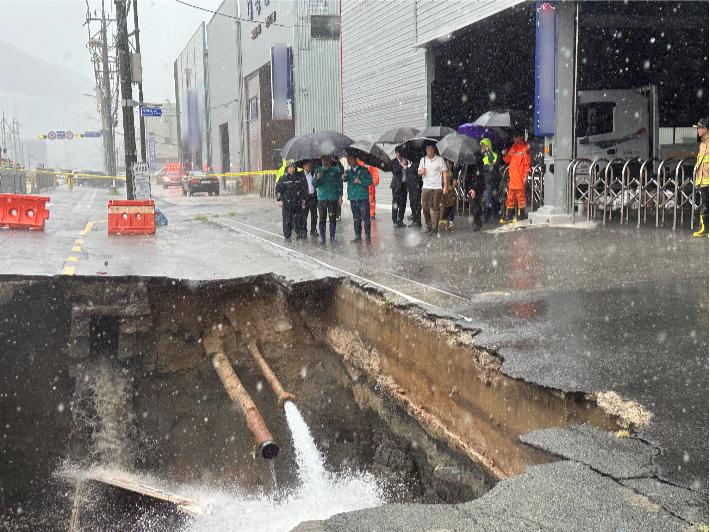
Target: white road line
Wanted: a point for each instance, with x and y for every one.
(331, 267)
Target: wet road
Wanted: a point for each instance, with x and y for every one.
(577, 309)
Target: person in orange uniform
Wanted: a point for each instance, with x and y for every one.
(375, 181)
(518, 159)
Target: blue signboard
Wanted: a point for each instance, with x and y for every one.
(151, 151)
(151, 111)
(545, 70)
(61, 134)
(92, 134)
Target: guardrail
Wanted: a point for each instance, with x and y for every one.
(664, 187)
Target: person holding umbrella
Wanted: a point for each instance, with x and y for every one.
(312, 201)
(518, 159)
(399, 187)
(291, 193)
(490, 174)
(330, 196)
(359, 180)
(432, 168)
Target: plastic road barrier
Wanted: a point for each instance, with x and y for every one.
(18, 211)
(131, 216)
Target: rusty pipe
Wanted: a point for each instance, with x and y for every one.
(281, 394)
(239, 395)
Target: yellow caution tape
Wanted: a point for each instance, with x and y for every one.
(237, 174)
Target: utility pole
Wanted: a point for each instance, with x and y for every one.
(141, 119)
(106, 114)
(124, 69)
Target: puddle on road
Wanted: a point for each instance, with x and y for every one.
(111, 373)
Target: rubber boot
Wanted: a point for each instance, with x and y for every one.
(332, 234)
(509, 216)
(521, 213)
(703, 228)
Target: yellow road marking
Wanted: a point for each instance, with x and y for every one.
(68, 270)
(87, 228)
(79, 241)
(73, 259)
(76, 248)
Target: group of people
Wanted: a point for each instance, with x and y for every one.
(429, 182)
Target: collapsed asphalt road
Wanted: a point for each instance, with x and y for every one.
(575, 309)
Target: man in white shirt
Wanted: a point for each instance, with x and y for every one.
(435, 180)
(312, 201)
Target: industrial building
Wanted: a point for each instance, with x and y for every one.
(241, 34)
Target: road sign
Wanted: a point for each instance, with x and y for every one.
(150, 111)
(51, 135)
(69, 135)
(88, 134)
(60, 134)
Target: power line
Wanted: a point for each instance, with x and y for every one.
(241, 18)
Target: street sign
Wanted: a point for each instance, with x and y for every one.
(141, 181)
(69, 135)
(88, 134)
(51, 135)
(150, 111)
(60, 134)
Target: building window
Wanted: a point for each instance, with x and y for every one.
(595, 118)
(254, 108)
(325, 27)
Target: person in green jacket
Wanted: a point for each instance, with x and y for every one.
(329, 185)
(359, 180)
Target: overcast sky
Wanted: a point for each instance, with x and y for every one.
(53, 31)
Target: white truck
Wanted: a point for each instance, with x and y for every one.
(617, 123)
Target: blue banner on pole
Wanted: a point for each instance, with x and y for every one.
(151, 151)
(545, 69)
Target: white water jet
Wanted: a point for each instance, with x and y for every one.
(320, 495)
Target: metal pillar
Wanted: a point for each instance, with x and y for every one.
(563, 144)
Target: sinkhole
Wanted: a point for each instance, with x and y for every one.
(115, 418)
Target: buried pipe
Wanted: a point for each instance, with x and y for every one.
(239, 395)
(281, 394)
(212, 344)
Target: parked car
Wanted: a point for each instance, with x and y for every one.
(198, 181)
(173, 177)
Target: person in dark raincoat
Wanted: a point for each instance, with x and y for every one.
(291, 193)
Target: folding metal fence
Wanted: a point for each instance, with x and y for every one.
(663, 187)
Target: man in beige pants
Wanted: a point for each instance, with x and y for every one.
(432, 168)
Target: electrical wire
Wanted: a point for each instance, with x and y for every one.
(240, 18)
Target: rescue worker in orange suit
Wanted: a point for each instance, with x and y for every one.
(701, 176)
(518, 159)
(375, 181)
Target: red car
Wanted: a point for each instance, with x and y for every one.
(173, 177)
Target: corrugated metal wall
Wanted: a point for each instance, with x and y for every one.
(438, 18)
(384, 74)
(384, 64)
(225, 85)
(191, 75)
(317, 102)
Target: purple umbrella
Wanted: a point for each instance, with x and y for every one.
(495, 134)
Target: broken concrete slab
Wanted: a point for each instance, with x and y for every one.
(618, 457)
(561, 496)
(684, 503)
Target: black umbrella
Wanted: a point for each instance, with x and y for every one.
(371, 154)
(414, 149)
(503, 118)
(398, 135)
(316, 144)
(459, 149)
(437, 132)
